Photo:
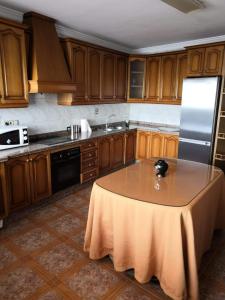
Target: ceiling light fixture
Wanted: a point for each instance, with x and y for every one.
(185, 5)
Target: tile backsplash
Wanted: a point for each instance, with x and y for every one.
(155, 113)
(44, 115)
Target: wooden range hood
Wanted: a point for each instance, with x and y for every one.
(48, 72)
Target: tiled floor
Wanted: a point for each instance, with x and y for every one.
(41, 257)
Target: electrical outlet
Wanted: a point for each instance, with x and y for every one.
(96, 110)
(11, 122)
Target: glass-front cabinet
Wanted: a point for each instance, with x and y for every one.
(137, 70)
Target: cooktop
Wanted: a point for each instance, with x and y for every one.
(56, 140)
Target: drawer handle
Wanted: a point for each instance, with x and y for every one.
(89, 145)
(89, 154)
(89, 165)
(91, 174)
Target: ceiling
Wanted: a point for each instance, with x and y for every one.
(133, 24)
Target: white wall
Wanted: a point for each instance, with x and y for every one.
(155, 113)
(44, 115)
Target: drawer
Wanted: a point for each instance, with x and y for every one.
(88, 145)
(89, 164)
(89, 154)
(91, 175)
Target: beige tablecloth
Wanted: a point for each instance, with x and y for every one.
(155, 239)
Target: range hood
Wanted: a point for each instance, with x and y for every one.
(48, 72)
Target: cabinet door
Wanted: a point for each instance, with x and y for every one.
(94, 74)
(117, 153)
(196, 61)
(13, 67)
(121, 78)
(3, 196)
(79, 71)
(130, 147)
(40, 175)
(168, 77)
(156, 145)
(136, 79)
(108, 76)
(153, 78)
(214, 60)
(104, 148)
(181, 73)
(170, 147)
(143, 144)
(18, 179)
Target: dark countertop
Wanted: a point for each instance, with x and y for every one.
(41, 146)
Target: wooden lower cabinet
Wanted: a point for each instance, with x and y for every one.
(116, 150)
(28, 180)
(3, 206)
(154, 144)
(130, 147)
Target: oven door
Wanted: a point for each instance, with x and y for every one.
(65, 172)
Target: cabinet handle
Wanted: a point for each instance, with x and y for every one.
(89, 154)
(27, 160)
(91, 174)
(89, 165)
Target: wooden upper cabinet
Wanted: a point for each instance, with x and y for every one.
(136, 81)
(40, 176)
(168, 77)
(79, 71)
(196, 61)
(153, 78)
(18, 179)
(121, 77)
(214, 60)
(108, 76)
(181, 73)
(117, 152)
(130, 139)
(94, 74)
(205, 61)
(13, 79)
(170, 147)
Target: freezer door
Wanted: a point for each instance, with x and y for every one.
(199, 108)
(200, 151)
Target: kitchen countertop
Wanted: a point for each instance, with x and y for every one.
(40, 146)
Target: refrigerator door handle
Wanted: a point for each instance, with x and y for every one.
(197, 142)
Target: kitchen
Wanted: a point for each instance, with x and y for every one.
(132, 101)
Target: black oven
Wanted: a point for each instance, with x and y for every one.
(65, 168)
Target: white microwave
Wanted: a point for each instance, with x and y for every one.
(13, 136)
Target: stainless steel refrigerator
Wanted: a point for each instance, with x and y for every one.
(199, 109)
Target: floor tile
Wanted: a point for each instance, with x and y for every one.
(45, 213)
(66, 224)
(6, 257)
(33, 240)
(131, 293)
(92, 281)
(19, 284)
(59, 258)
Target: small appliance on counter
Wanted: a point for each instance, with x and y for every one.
(13, 136)
(85, 127)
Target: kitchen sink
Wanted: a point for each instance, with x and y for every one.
(109, 129)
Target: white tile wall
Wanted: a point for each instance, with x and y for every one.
(44, 115)
(155, 113)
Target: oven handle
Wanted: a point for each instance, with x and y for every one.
(69, 158)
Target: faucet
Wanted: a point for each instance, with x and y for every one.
(107, 121)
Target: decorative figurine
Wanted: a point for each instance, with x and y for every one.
(161, 166)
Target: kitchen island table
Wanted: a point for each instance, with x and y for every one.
(157, 226)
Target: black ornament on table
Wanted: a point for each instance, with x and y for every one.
(161, 166)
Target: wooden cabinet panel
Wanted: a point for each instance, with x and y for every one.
(3, 194)
(153, 78)
(213, 60)
(121, 77)
(40, 175)
(170, 147)
(130, 147)
(94, 74)
(117, 151)
(79, 71)
(196, 61)
(168, 77)
(156, 145)
(18, 179)
(108, 76)
(136, 81)
(181, 73)
(104, 148)
(143, 144)
(14, 91)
